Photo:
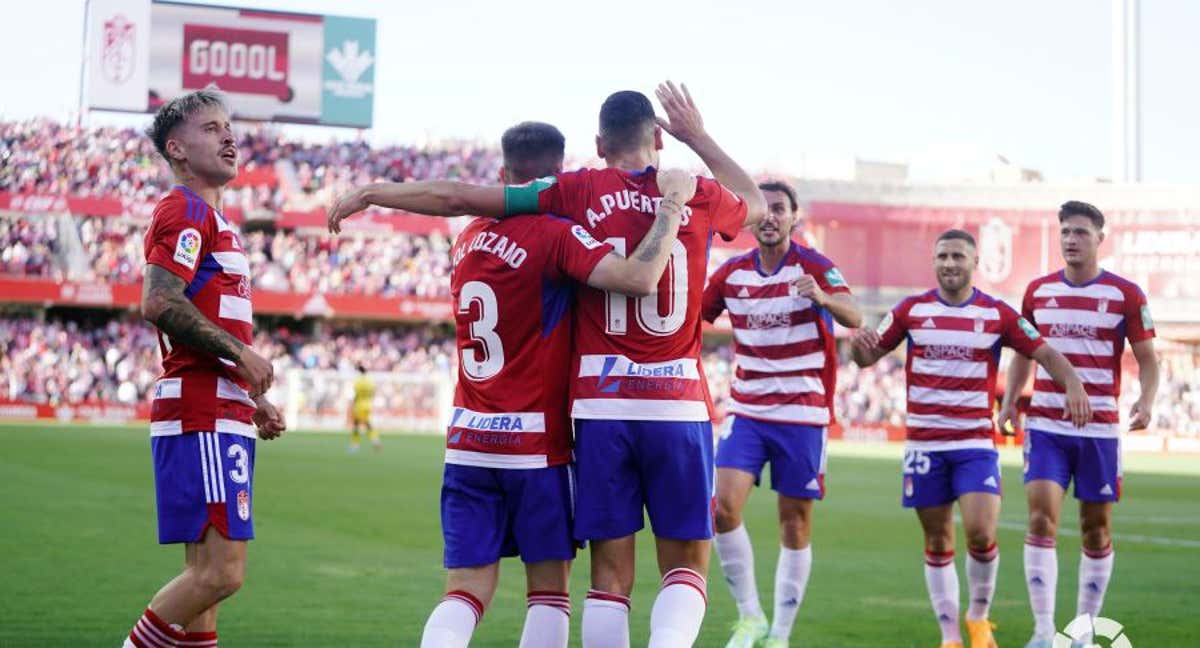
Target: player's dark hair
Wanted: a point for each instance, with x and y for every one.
(626, 121)
(1080, 208)
(532, 150)
(782, 187)
(361, 368)
(176, 111)
(956, 235)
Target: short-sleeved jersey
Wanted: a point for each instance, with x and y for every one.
(638, 359)
(199, 392)
(364, 391)
(1088, 324)
(953, 354)
(783, 343)
(512, 283)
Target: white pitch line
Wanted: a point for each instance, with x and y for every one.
(1117, 537)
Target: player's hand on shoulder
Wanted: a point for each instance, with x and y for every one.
(683, 120)
(676, 184)
(346, 205)
(255, 370)
(268, 419)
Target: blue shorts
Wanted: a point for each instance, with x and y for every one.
(938, 477)
(1095, 463)
(488, 513)
(796, 453)
(203, 479)
(664, 466)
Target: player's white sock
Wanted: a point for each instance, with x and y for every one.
(791, 580)
(737, 562)
(152, 632)
(453, 621)
(941, 577)
(605, 620)
(981, 581)
(678, 610)
(547, 621)
(1041, 578)
(1095, 570)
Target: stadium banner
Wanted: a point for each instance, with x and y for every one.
(275, 66)
(891, 246)
(48, 292)
(91, 412)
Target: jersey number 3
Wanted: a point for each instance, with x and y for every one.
(487, 361)
(649, 318)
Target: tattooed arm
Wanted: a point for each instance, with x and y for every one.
(165, 305)
(638, 274)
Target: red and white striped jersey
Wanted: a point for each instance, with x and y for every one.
(1088, 324)
(199, 392)
(953, 353)
(513, 284)
(638, 358)
(783, 343)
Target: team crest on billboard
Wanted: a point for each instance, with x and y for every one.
(118, 53)
(995, 250)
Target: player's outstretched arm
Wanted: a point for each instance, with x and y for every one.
(1018, 375)
(432, 198)
(865, 347)
(1077, 407)
(165, 306)
(638, 274)
(684, 123)
(1147, 361)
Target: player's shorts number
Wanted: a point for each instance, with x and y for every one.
(648, 317)
(476, 364)
(240, 474)
(917, 462)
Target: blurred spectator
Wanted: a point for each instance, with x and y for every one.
(27, 246)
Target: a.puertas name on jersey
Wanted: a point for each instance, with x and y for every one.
(626, 199)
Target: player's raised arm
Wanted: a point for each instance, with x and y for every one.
(638, 274)
(165, 305)
(1077, 406)
(432, 198)
(684, 123)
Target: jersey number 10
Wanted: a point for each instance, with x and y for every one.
(646, 309)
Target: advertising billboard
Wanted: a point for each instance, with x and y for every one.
(276, 66)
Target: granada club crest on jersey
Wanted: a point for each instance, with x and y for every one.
(978, 325)
(1102, 305)
(243, 505)
(995, 250)
(118, 52)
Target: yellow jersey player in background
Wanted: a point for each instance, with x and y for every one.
(360, 411)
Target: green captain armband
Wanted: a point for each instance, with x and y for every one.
(523, 199)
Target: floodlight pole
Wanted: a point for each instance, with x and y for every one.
(87, 13)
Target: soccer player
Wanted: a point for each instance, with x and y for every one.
(1087, 314)
(360, 411)
(954, 337)
(210, 397)
(782, 299)
(507, 486)
(642, 411)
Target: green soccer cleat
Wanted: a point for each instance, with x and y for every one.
(747, 632)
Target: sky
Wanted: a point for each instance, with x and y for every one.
(803, 87)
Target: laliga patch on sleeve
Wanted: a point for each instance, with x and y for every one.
(835, 278)
(584, 238)
(885, 323)
(187, 249)
(1147, 321)
(1028, 328)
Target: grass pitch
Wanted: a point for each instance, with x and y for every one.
(349, 550)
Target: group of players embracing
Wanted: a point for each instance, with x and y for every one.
(581, 406)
